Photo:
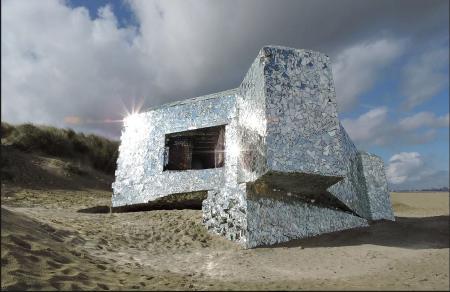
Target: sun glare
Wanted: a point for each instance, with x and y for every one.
(133, 121)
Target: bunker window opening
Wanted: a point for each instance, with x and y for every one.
(195, 149)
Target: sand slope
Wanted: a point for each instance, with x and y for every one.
(65, 239)
(37, 256)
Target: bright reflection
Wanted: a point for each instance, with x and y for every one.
(253, 122)
(136, 128)
(234, 149)
(134, 121)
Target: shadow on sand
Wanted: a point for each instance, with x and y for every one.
(178, 201)
(96, 210)
(194, 205)
(405, 232)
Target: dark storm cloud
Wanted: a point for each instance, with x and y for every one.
(217, 41)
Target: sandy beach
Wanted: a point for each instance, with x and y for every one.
(58, 234)
(54, 239)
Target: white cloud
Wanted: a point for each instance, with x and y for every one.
(410, 170)
(425, 77)
(424, 119)
(376, 127)
(366, 127)
(357, 68)
(404, 166)
(57, 62)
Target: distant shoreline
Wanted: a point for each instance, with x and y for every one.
(420, 191)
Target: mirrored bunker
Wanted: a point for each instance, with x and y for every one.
(268, 161)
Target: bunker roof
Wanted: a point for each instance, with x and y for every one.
(229, 92)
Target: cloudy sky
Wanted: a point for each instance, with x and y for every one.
(85, 64)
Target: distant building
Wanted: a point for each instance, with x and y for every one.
(271, 157)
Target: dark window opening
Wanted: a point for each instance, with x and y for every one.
(197, 149)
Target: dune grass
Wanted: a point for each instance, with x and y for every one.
(100, 152)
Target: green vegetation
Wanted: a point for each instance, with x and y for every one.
(100, 152)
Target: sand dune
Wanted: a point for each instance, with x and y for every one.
(37, 256)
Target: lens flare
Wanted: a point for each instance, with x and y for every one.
(135, 108)
(133, 121)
